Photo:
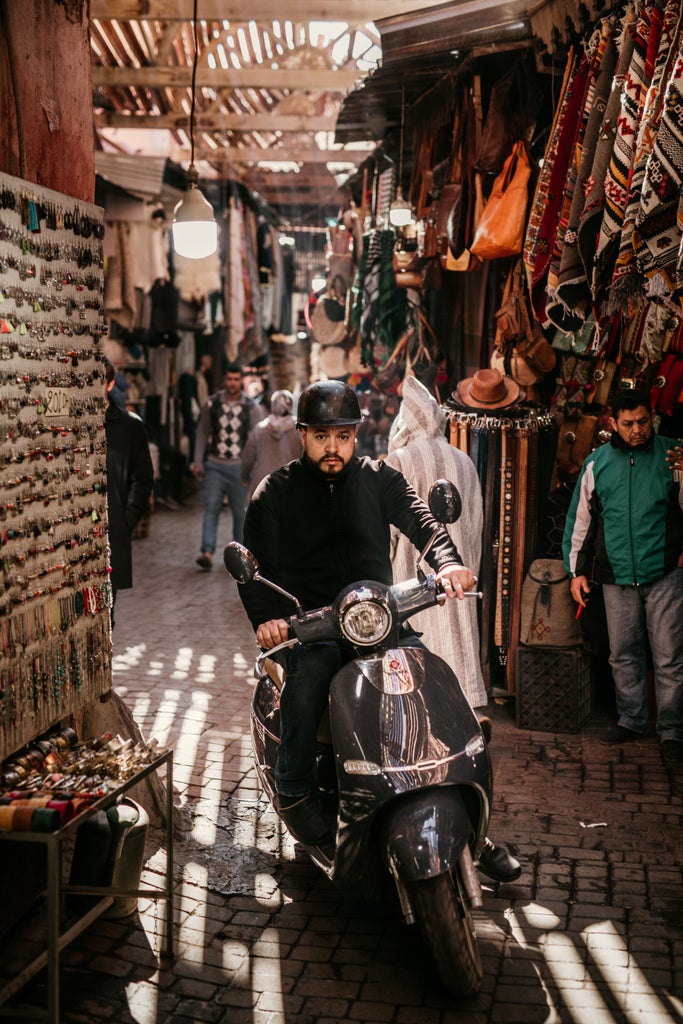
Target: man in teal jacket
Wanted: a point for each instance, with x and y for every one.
(624, 530)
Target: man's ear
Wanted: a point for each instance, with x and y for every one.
(613, 424)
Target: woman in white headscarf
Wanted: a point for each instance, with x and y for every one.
(272, 443)
(418, 448)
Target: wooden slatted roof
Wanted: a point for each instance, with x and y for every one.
(268, 89)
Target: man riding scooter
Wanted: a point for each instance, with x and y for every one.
(315, 526)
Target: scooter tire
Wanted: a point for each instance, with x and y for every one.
(443, 916)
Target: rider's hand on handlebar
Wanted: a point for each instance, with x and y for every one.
(455, 580)
(270, 634)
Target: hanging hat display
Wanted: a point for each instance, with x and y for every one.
(488, 389)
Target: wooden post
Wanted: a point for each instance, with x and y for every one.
(46, 95)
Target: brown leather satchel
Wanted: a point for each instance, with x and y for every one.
(501, 228)
(516, 337)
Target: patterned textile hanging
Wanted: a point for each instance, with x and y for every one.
(646, 34)
(627, 281)
(657, 235)
(573, 291)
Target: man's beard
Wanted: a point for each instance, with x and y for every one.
(327, 470)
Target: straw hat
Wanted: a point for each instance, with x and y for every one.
(488, 389)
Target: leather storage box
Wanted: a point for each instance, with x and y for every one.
(553, 688)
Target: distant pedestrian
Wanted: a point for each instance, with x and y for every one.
(272, 443)
(225, 423)
(130, 479)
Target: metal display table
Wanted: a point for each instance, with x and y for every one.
(56, 940)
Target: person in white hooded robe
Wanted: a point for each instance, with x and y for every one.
(419, 449)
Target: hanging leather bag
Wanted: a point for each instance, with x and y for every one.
(521, 346)
(501, 228)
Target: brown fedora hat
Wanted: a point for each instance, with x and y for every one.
(488, 389)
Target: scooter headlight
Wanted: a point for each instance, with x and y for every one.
(364, 615)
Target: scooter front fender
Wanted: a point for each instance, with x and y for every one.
(423, 834)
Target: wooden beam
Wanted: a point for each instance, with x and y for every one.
(261, 180)
(255, 77)
(355, 11)
(251, 155)
(272, 122)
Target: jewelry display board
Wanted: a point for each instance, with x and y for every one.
(55, 595)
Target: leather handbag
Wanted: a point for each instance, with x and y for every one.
(517, 342)
(536, 350)
(389, 378)
(575, 442)
(501, 228)
(667, 389)
(328, 320)
(410, 279)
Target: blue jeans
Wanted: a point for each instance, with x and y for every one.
(222, 480)
(309, 672)
(655, 611)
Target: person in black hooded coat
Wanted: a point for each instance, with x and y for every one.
(130, 478)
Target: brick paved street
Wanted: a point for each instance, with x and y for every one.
(592, 932)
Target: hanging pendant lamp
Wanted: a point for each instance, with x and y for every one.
(400, 211)
(195, 232)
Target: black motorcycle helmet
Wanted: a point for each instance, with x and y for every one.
(328, 403)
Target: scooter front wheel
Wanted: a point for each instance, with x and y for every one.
(444, 919)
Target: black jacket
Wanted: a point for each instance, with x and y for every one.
(313, 536)
(130, 478)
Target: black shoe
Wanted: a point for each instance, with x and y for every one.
(620, 734)
(205, 561)
(672, 751)
(495, 862)
(486, 726)
(304, 820)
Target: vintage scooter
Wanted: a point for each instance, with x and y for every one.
(404, 770)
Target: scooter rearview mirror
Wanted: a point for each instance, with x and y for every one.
(445, 501)
(240, 562)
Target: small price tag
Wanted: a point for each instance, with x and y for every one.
(57, 402)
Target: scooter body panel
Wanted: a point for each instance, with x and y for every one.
(401, 728)
(423, 834)
(401, 725)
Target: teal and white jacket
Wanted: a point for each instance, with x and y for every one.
(625, 519)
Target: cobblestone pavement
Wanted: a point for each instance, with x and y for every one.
(592, 932)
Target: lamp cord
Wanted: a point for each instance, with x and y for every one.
(400, 151)
(194, 76)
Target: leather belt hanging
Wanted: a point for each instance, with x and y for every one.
(502, 623)
(489, 554)
(533, 519)
(519, 500)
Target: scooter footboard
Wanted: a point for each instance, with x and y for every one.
(423, 834)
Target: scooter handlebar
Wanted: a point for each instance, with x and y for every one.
(440, 592)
